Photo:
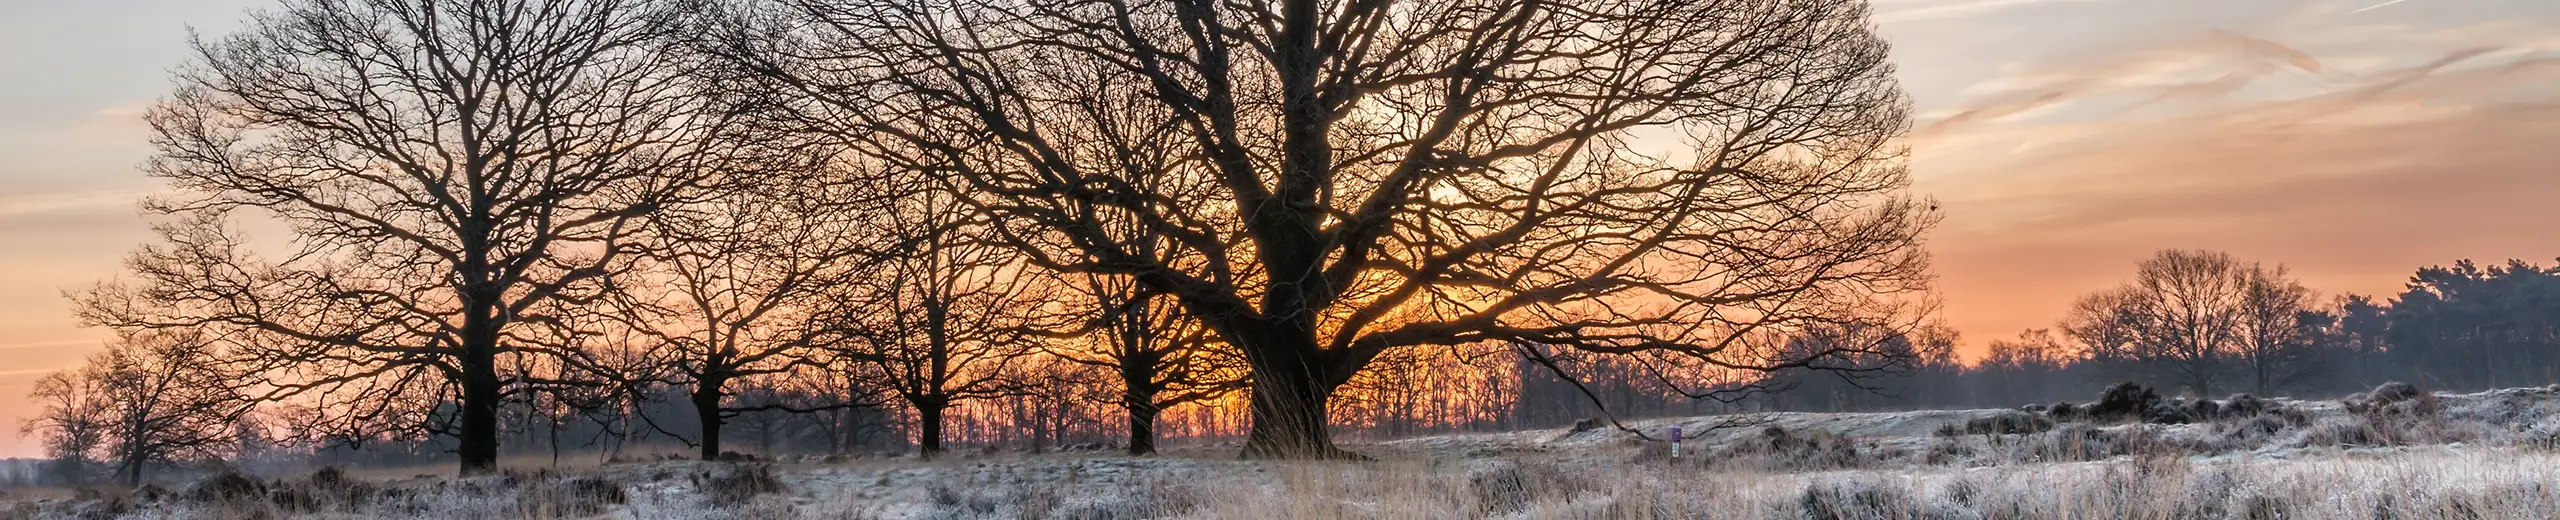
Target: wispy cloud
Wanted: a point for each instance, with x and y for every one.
(120, 125)
(2377, 6)
(29, 372)
(2355, 167)
(1915, 10)
(50, 344)
(2210, 64)
(43, 203)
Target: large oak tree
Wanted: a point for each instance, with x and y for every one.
(1672, 177)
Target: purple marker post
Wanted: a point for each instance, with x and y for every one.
(1675, 441)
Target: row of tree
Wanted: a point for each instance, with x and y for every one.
(485, 209)
(2206, 324)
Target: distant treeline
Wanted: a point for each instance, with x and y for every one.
(2463, 327)
(2191, 323)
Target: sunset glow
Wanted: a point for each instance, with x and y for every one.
(2061, 141)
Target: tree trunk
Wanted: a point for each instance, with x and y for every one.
(479, 442)
(1138, 389)
(929, 426)
(552, 434)
(1289, 412)
(1039, 427)
(478, 359)
(706, 411)
(133, 468)
(1142, 428)
(845, 436)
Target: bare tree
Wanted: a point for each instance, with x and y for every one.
(947, 319)
(152, 397)
(71, 423)
(751, 284)
(2273, 348)
(2027, 369)
(455, 175)
(2180, 319)
(1619, 177)
(1160, 356)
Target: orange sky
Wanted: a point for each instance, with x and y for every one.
(2354, 140)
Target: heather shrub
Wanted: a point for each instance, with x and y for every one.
(1508, 486)
(2007, 422)
(2205, 410)
(226, 486)
(737, 484)
(2244, 405)
(1778, 448)
(2123, 401)
(1857, 500)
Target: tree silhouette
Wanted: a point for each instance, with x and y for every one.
(2274, 350)
(1159, 356)
(946, 319)
(455, 177)
(2479, 327)
(2197, 317)
(1618, 177)
(71, 422)
(152, 397)
(751, 284)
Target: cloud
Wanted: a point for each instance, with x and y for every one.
(51, 344)
(1916, 10)
(2210, 64)
(30, 372)
(121, 125)
(48, 203)
(2377, 6)
(2357, 158)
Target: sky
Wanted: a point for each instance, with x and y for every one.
(2353, 141)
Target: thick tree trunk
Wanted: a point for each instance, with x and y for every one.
(1138, 389)
(1142, 428)
(479, 442)
(478, 359)
(929, 426)
(706, 411)
(1289, 413)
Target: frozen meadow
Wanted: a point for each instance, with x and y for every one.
(2379, 455)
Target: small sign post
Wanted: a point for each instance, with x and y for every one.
(1675, 441)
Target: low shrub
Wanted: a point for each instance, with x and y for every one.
(2007, 422)
(1857, 499)
(737, 484)
(227, 486)
(1499, 488)
(585, 496)
(1777, 448)
(1947, 450)
(2244, 405)
(2205, 410)
(2123, 401)
(2393, 392)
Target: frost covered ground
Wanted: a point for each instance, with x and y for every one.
(2377, 455)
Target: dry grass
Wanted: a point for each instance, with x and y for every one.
(2400, 456)
(2396, 485)
(2392, 483)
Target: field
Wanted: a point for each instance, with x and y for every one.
(2376, 455)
